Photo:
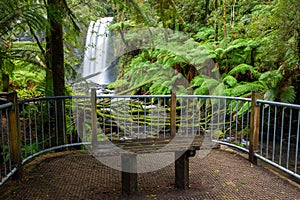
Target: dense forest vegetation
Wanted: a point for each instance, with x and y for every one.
(253, 45)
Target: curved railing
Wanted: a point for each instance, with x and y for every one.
(279, 136)
(39, 121)
(49, 124)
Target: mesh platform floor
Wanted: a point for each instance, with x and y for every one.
(223, 174)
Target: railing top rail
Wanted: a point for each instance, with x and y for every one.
(6, 105)
(134, 96)
(287, 105)
(51, 98)
(169, 96)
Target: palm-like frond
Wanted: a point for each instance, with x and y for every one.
(288, 95)
(247, 88)
(230, 80)
(28, 52)
(19, 16)
(243, 68)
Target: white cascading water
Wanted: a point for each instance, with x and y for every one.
(98, 54)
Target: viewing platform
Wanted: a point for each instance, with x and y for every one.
(222, 174)
(144, 146)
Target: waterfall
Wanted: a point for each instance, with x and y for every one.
(98, 57)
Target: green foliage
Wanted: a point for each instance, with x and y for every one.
(28, 80)
(204, 85)
(260, 51)
(230, 81)
(271, 94)
(234, 53)
(243, 108)
(204, 34)
(288, 95)
(168, 63)
(242, 69)
(246, 89)
(271, 78)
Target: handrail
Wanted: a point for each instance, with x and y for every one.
(6, 105)
(287, 105)
(139, 115)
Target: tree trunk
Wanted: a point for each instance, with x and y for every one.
(56, 47)
(224, 19)
(206, 10)
(216, 22)
(49, 79)
(5, 82)
(56, 60)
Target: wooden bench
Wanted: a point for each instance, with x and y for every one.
(183, 148)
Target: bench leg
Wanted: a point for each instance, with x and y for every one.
(182, 170)
(129, 175)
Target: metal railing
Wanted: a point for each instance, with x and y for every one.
(279, 136)
(142, 116)
(39, 121)
(7, 167)
(48, 124)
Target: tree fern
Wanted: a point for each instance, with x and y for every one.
(219, 90)
(271, 94)
(197, 81)
(243, 68)
(203, 90)
(204, 34)
(271, 78)
(170, 61)
(247, 88)
(230, 81)
(288, 94)
(205, 85)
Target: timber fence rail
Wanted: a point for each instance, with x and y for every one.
(266, 130)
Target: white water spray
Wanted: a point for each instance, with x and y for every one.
(98, 55)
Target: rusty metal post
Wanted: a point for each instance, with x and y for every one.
(254, 128)
(14, 133)
(94, 117)
(173, 114)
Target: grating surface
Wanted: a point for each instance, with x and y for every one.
(77, 175)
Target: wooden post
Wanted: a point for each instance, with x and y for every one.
(15, 140)
(129, 173)
(182, 170)
(254, 128)
(173, 115)
(94, 117)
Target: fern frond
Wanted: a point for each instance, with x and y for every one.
(271, 94)
(219, 90)
(230, 80)
(204, 34)
(288, 95)
(243, 68)
(197, 81)
(245, 88)
(207, 87)
(211, 83)
(271, 78)
(202, 90)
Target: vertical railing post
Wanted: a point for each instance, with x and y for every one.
(94, 117)
(173, 114)
(15, 139)
(254, 128)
